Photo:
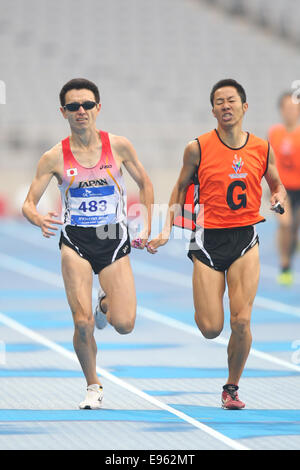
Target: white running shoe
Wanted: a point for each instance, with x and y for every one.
(93, 399)
(100, 317)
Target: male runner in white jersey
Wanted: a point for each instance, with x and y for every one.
(94, 237)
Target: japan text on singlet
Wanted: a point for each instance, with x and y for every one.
(92, 196)
(226, 191)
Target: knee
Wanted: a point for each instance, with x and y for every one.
(84, 327)
(286, 225)
(124, 327)
(211, 332)
(208, 330)
(240, 326)
(122, 319)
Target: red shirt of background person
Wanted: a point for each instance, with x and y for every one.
(285, 140)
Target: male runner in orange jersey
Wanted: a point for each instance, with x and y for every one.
(226, 166)
(285, 140)
(94, 236)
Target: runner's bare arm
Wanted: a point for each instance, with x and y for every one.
(278, 192)
(136, 170)
(191, 160)
(45, 172)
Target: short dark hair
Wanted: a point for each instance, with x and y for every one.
(228, 82)
(78, 84)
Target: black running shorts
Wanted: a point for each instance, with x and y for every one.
(100, 246)
(219, 248)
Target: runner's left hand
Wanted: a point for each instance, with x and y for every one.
(141, 241)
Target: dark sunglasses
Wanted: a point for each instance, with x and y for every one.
(75, 106)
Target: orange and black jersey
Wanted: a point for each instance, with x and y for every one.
(226, 191)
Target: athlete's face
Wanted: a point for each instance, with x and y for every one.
(82, 118)
(228, 108)
(290, 111)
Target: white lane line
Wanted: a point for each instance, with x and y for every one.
(121, 383)
(183, 280)
(27, 269)
(152, 271)
(43, 275)
(155, 316)
(175, 249)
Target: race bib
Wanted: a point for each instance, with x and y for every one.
(93, 206)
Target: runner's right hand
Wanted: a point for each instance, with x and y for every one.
(47, 222)
(160, 240)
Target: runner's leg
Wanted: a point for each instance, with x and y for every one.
(242, 280)
(78, 278)
(119, 303)
(285, 236)
(208, 291)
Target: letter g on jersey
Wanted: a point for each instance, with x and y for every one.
(239, 196)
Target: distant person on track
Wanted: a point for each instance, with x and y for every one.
(285, 140)
(220, 183)
(94, 235)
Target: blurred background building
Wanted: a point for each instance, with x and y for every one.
(155, 63)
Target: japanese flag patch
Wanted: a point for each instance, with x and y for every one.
(72, 172)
